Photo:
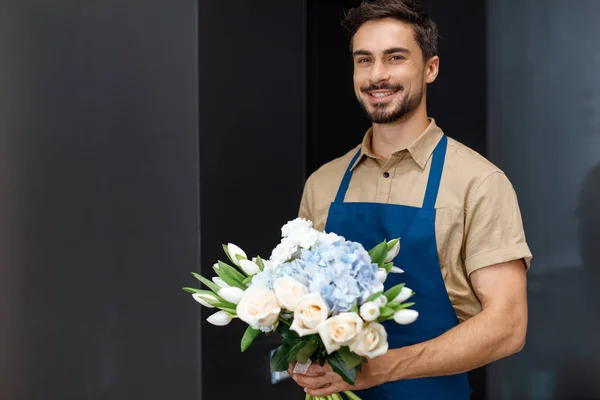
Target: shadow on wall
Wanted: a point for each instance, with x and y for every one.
(578, 378)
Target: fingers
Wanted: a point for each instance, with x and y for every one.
(314, 382)
(317, 370)
(290, 369)
(328, 390)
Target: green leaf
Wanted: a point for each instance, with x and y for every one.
(249, 337)
(210, 284)
(339, 366)
(279, 361)
(307, 351)
(247, 280)
(405, 305)
(351, 359)
(378, 253)
(295, 349)
(386, 312)
(374, 296)
(391, 244)
(190, 290)
(234, 272)
(226, 273)
(286, 333)
(393, 292)
(354, 308)
(260, 263)
(388, 267)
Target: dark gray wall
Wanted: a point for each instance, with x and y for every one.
(98, 199)
(544, 131)
(252, 163)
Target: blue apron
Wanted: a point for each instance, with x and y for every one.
(371, 223)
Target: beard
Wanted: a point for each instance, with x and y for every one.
(382, 114)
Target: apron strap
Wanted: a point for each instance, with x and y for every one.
(435, 173)
(341, 194)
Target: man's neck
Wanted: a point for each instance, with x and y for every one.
(398, 135)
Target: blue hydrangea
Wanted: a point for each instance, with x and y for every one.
(341, 271)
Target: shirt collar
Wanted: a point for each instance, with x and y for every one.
(420, 150)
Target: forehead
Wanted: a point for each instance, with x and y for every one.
(376, 36)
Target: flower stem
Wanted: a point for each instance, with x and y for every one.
(351, 395)
(285, 322)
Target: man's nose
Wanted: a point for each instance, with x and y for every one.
(379, 73)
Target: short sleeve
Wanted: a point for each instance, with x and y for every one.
(306, 204)
(493, 225)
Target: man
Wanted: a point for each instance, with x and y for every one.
(463, 248)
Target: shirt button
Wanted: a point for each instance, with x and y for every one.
(386, 174)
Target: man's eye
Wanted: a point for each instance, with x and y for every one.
(397, 58)
(363, 60)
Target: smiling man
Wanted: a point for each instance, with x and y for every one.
(463, 246)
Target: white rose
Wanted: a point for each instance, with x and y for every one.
(258, 307)
(340, 330)
(289, 292)
(372, 341)
(311, 311)
(369, 311)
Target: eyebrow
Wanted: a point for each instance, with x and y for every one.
(386, 51)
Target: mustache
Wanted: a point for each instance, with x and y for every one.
(383, 86)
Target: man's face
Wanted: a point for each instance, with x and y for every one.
(389, 71)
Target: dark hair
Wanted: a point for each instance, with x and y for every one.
(408, 11)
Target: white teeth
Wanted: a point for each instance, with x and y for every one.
(381, 95)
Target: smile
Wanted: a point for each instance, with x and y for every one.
(380, 96)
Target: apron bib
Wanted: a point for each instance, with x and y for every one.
(371, 223)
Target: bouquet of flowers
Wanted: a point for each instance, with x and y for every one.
(323, 294)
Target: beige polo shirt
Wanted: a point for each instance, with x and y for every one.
(478, 221)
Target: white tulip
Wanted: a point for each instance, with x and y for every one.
(258, 307)
(372, 341)
(220, 282)
(340, 330)
(369, 311)
(220, 318)
(396, 270)
(231, 294)
(235, 251)
(289, 292)
(404, 295)
(405, 317)
(249, 267)
(216, 265)
(204, 298)
(393, 252)
(381, 275)
(381, 301)
(311, 311)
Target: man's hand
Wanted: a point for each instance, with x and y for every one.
(322, 381)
